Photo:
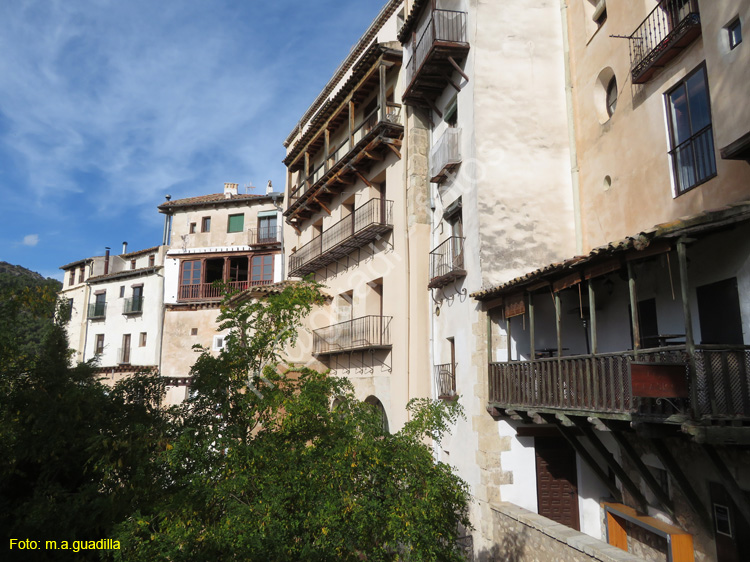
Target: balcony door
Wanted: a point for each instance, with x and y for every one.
(125, 349)
(190, 282)
(267, 229)
(556, 481)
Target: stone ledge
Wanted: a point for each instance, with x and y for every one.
(594, 548)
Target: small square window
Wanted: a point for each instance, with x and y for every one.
(735, 33)
(219, 343)
(72, 278)
(206, 224)
(236, 223)
(193, 331)
(193, 227)
(723, 520)
(142, 342)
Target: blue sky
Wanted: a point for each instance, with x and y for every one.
(108, 105)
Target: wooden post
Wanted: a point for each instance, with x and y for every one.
(558, 324)
(531, 326)
(381, 94)
(689, 341)
(634, 309)
(307, 172)
(326, 149)
(289, 184)
(592, 317)
(351, 125)
(507, 335)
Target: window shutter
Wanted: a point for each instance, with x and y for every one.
(236, 223)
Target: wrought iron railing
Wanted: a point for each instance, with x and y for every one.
(445, 379)
(97, 310)
(366, 125)
(133, 305)
(265, 235)
(603, 383)
(367, 332)
(447, 259)
(443, 25)
(445, 154)
(694, 159)
(206, 291)
(669, 22)
(374, 212)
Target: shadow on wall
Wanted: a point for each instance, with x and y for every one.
(510, 549)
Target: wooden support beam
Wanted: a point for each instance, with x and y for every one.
(624, 477)
(319, 202)
(558, 324)
(634, 309)
(688, 319)
(363, 178)
(433, 107)
(381, 93)
(570, 436)
(507, 337)
(531, 326)
(739, 496)
(351, 124)
(450, 81)
(372, 156)
(661, 495)
(458, 68)
(679, 478)
(327, 149)
(394, 150)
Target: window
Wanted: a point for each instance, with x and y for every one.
(68, 310)
(206, 224)
(267, 229)
(99, 346)
(136, 303)
(600, 12)
(611, 96)
(236, 223)
(125, 354)
(81, 273)
(723, 519)
(691, 134)
(142, 340)
(193, 227)
(72, 277)
(122, 291)
(151, 260)
(262, 270)
(735, 33)
(191, 279)
(99, 308)
(219, 343)
(193, 331)
(132, 264)
(451, 112)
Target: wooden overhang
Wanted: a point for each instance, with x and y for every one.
(614, 256)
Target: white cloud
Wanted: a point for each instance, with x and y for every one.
(31, 240)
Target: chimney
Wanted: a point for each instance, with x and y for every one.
(269, 188)
(230, 190)
(124, 247)
(106, 260)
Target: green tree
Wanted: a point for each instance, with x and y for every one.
(261, 467)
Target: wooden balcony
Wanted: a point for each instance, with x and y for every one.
(435, 55)
(445, 378)
(265, 236)
(365, 333)
(447, 262)
(379, 133)
(662, 36)
(653, 384)
(211, 291)
(366, 224)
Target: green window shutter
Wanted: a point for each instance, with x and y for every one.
(236, 223)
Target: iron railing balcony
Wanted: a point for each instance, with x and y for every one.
(97, 310)
(662, 36)
(445, 156)
(133, 305)
(447, 262)
(694, 160)
(445, 378)
(264, 236)
(443, 39)
(366, 224)
(209, 291)
(367, 129)
(653, 383)
(367, 332)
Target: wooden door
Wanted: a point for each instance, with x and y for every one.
(556, 481)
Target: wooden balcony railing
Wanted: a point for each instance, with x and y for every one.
(133, 305)
(445, 155)
(265, 235)
(209, 291)
(364, 225)
(367, 332)
(605, 383)
(444, 35)
(445, 378)
(447, 262)
(97, 310)
(346, 149)
(663, 35)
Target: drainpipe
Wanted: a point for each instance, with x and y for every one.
(574, 172)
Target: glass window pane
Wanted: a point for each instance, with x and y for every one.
(678, 109)
(700, 115)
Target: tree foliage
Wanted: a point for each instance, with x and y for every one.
(264, 468)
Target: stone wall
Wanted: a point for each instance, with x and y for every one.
(523, 536)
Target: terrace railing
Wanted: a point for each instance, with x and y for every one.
(445, 378)
(446, 154)
(133, 305)
(367, 332)
(443, 25)
(447, 262)
(209, 291)
(264, 235)
(97, 310)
